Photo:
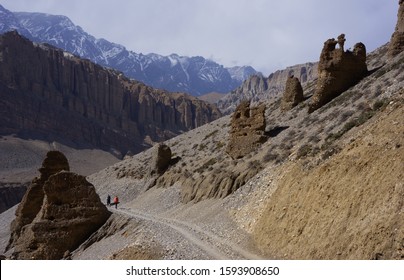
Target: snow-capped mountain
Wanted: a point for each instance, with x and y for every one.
(241, 73)
(9, 22)
(194, 75)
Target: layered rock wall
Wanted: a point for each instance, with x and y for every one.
(46, 90)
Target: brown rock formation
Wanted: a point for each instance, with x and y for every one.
(32, 201)
(247, 130)
(46, 91)
(341, 41)
(337, 71)
(161, 158)
(293, 94)
(218, 184)
(397, 39)
(59, 211)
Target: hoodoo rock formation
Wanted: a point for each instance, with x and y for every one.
(293, 94)
(59, 211)
(32, 201)
(247, 130)
(397, 39)
(48, 92)
(161, 158)
(338, 70)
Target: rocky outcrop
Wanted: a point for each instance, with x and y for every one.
(338, 70)
(59, 211)
(397, 39)
(161, 158)
(46, 91)
(259, 88)
(218, 184)
(32, 201)
(293, 94)
(247, 130)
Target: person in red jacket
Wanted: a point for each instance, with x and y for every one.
(116, 201)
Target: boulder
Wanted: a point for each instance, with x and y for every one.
(338, 70)
(247, 130)
(397, 39)
(59, 212)
(293, 94)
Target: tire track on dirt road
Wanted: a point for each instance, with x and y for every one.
(215, 246)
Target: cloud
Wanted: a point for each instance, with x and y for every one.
(265, 34)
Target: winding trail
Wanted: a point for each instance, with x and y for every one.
(212, 244)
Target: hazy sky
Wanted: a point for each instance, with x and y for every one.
(266, 34)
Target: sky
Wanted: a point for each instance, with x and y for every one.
(266, 34)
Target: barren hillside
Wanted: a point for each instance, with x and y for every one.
(325, 185)
(351, 206)
(335, 174)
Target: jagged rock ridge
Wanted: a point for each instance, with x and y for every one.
(259, 88)
(194, 75)
(48, 91)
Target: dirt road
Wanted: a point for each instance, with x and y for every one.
(214, 246)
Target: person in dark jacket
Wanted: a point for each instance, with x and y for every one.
(108, 200)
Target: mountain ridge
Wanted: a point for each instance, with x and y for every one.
(47, 91)
(325, 184)
(260, 88)
(195, 75)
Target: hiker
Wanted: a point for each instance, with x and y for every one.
(116, 201)
(108, 200)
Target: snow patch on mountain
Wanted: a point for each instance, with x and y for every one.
(195, 75)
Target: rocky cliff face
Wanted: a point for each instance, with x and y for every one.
(194, 75)
(260, 88)
(397, 39)
(338, 70)
(59, 212)
(48, 91)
